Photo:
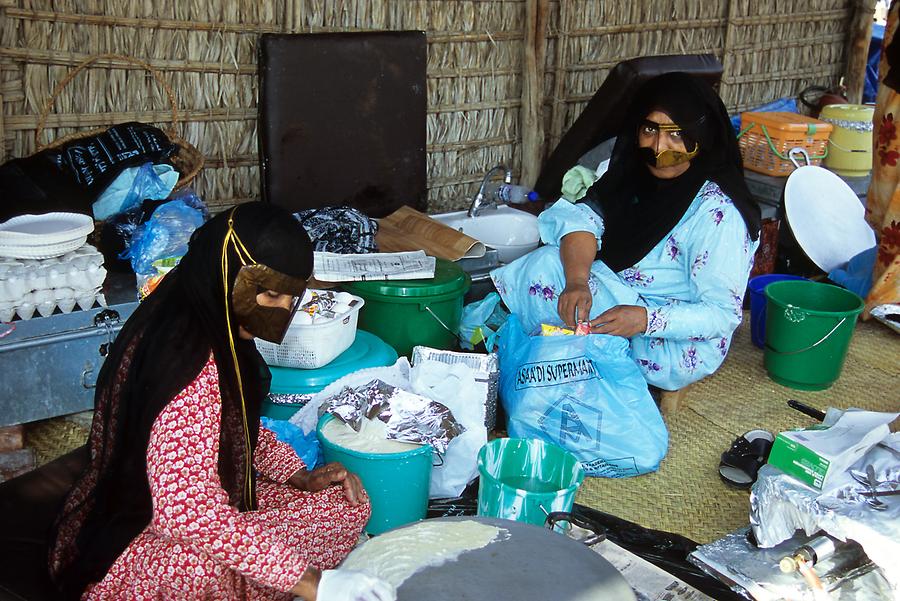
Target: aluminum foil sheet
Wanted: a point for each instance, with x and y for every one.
(486, 367)
(409, 417)
(889, 315)
(780, 505)
(754, 572)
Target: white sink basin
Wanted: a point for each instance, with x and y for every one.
(511, 231)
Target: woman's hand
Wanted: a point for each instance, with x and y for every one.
(308, 585)
(328, 475)
(621, 320)
(577, 251)
(575, 297)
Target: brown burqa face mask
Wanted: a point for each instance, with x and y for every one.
(267, 323)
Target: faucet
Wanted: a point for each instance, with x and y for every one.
(479, 201)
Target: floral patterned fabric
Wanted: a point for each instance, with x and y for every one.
(883, 203)
(692, 284)
(197, 546)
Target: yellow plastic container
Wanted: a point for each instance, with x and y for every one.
(850, 144)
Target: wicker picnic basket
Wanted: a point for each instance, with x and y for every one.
(767, 139)
(187, 160)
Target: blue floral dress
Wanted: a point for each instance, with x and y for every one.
(692, 284)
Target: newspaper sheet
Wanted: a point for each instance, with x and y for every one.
(649, 582)
(333, 267)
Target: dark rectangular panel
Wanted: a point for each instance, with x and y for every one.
(342, 120)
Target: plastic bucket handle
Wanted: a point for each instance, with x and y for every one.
(441, 322)
(810, 347)
(598, 532)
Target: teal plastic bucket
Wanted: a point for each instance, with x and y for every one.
(366, 351)
(397, 483)
(808, 330)
(526, 479)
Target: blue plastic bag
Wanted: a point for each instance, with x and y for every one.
(306, 445)
(585, 394)
(133, 186)
(164, 235)
(481, 322)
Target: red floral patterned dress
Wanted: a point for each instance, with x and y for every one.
(197, 546)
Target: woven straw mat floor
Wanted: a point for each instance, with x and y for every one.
(52, 438)
(686, 495)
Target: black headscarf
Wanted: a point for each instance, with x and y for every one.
(638, 209)
(159, 352)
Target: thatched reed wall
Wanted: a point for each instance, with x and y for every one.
(207, 51)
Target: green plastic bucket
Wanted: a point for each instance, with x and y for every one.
(397, 483)
(808, 330)
(526, 479)
(406, 313)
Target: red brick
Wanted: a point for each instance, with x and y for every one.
(12, 438)
(15, 463)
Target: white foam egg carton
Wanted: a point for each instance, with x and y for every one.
(39, 286)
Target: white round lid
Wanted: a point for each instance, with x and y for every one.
(826, 217)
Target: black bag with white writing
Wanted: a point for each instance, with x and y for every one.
(95, 161)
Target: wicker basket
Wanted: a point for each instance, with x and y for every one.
(767, 138)
(187, 160)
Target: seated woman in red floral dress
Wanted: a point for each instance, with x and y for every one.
(186, 496)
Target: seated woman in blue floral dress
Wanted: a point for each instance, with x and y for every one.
(660, 249)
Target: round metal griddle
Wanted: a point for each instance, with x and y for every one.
(532, 564)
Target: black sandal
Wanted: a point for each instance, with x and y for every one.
(748, 453)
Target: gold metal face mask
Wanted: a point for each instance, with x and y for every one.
(665, 158)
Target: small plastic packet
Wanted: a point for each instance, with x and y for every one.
(549, 330)
(583, 328)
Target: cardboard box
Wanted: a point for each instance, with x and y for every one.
(816, 455)
(793, 457)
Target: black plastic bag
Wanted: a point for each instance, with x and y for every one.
(94, 162)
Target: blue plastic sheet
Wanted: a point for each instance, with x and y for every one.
(783, 105)
(870, 88)
(585, 394)
(856, 275)
(306, 445)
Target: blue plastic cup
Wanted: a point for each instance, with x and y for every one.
(756, 286)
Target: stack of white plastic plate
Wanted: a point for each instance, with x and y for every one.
(44, 236)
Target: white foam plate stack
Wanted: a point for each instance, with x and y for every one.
(44, 236)
(39, 286)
